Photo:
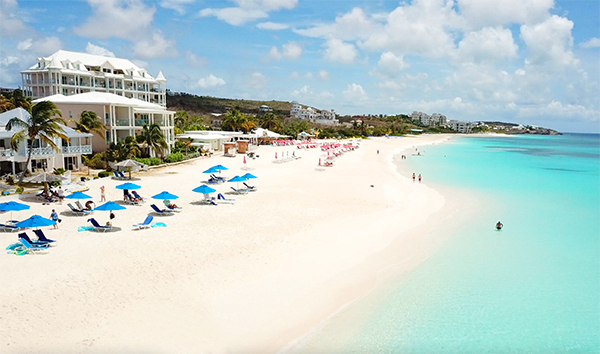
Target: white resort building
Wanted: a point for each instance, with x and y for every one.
(70, 73)
(433, 120)
(43, 156)
(311, 115)
(122, 116)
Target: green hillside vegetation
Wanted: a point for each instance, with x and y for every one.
(205, 105)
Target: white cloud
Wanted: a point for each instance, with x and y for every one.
(549, 42)
(391, 65)
(308, 75)
(97, 50)
(248, 10)
(351, 26)
(155, 47)
(10, 22)
(491, 13)
(140, 63)
(323, 74)
(354, 93)
(271, 26)
(211, 81)
(257, 81)
(115, 18)
(177, 5)
(290, 51)
(294, 75)
(487, 44)
(194, 60)
(40, 46)
(592, 43)
(338, 51)
(235, 16)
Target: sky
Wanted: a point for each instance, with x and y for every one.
(533, 62)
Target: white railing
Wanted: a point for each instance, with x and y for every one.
(41, 151)
(7, 153)
(77, 149)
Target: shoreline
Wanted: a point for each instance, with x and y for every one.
(254, 276)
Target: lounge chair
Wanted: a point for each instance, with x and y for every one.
(31, 247)
(173, 209)
(250, 188)
(41, 237)
(137, 196)
(116, 175)
(98, 227)
(24, 236)
(222, 199)
(121, 175)
(130, 200)
(144, 225)
(161, 211)
(76, 211)
(239, 191)
(8, 228)
(80, 207)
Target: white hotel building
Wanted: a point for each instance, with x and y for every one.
(70, 73)
(309, 114)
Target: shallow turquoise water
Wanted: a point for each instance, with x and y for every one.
(533, 287)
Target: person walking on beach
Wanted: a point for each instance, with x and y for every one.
(413, 177)
(102, 196)
(54, 217)
(419, 178)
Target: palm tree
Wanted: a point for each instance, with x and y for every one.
(89, 122)
(233, 120)
(123, 150)
(18, 99)
(153, 137)
(181, 119)
(42, 123)
(270, 121)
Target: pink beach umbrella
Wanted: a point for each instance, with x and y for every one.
(319, 161)
(244, 159)
(276, 156)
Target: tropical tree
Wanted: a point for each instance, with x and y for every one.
(89, 122)
(270, 121)
(294, 126)
(153, 138)
(43, 123)
(123, 150)
(233, 120)
(181, 119)
(247, 126)
(18, 99)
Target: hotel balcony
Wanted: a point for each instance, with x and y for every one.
(5, 153)
(40, 151)
(122, 122)
(78, 149)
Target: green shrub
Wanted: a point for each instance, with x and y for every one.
(103, 174)
(20, 190)
(176, 157)
(151, 161)
(97, 161)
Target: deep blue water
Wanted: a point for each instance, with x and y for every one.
(533, 287)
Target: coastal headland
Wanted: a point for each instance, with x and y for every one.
(250, 277)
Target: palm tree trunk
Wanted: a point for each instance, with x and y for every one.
(30, 143)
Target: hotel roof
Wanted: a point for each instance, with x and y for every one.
(95, 97)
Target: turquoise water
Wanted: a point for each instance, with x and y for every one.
(533, 287)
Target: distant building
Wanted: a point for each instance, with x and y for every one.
(434, 120)
(70, 73)
(311, 115)
(264, 108)
(461, 127)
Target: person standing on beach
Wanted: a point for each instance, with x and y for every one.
(61, 195)
(54, 217)
(419, 178)
(413, 177)
(102, 196)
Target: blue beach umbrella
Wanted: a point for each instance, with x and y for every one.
(35, 221)
(204, 189)
(248, 176)
(128, 185)
(78, 195)
(110, 206)
(13, 206)
(220, 167)
(238, 179)
(165, 195)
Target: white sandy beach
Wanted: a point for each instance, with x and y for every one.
(245, 278)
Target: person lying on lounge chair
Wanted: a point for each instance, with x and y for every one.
(170, 205)
(89, 205)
